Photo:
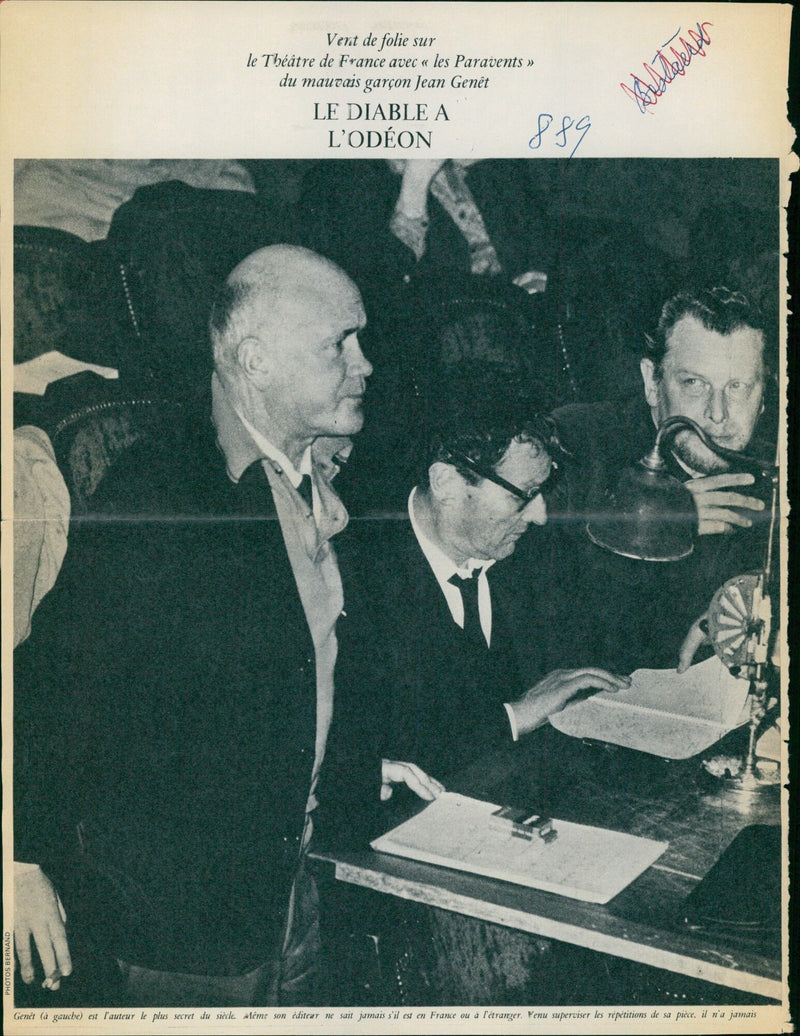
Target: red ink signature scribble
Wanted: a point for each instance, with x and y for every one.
(670, 64)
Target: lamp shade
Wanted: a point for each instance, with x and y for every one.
(650, 516)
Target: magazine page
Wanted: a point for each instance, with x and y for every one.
(327, 329)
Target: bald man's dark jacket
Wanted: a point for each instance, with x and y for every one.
(165, 716)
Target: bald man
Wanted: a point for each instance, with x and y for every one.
(195, 642)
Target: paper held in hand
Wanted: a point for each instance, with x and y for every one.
(587, 863)
(663, 712)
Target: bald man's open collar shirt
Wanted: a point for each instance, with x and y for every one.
(306, 534)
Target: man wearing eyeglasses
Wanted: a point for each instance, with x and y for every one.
(435, 677)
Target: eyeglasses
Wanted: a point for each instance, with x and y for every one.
(484, 471)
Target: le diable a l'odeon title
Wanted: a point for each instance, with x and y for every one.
(393, 130)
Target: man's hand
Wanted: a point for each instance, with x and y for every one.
(695, 638)
(393, 772)
(553, 692)
(417, 174)
(39, 914)
(533, 281)
(715, 502)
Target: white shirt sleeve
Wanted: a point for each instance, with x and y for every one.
(512, 720)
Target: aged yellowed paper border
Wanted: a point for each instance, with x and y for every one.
(204, 80)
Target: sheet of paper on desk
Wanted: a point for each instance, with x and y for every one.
(664, 713)
(588, 863)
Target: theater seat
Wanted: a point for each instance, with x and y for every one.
(89, 440)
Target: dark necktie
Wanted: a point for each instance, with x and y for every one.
(304, 489)
(469, 596)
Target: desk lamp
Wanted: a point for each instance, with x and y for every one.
(651, 513)
(652, 517)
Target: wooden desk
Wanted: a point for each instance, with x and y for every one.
(615, 788)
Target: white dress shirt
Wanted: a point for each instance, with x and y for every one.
(443, 568)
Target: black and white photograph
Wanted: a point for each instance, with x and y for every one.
(399, 580)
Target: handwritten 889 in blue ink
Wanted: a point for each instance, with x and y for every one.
(562, 136)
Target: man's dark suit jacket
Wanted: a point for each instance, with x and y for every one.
(410, 685)
(165, 711)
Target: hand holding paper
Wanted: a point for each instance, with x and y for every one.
(694, 639)
(673, 715)
(555, 690)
